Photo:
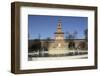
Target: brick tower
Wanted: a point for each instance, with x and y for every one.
(59, 45)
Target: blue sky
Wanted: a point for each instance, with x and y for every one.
(46, 26)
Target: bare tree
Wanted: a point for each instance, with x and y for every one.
(47, 43)
(71, 36)
(86, 34)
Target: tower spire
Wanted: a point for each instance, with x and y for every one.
(59, 34)
(59, 20)
(59, 26)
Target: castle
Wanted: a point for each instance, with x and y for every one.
(58, 45)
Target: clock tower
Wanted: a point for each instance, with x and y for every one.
(59, 45)
(59, 36)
